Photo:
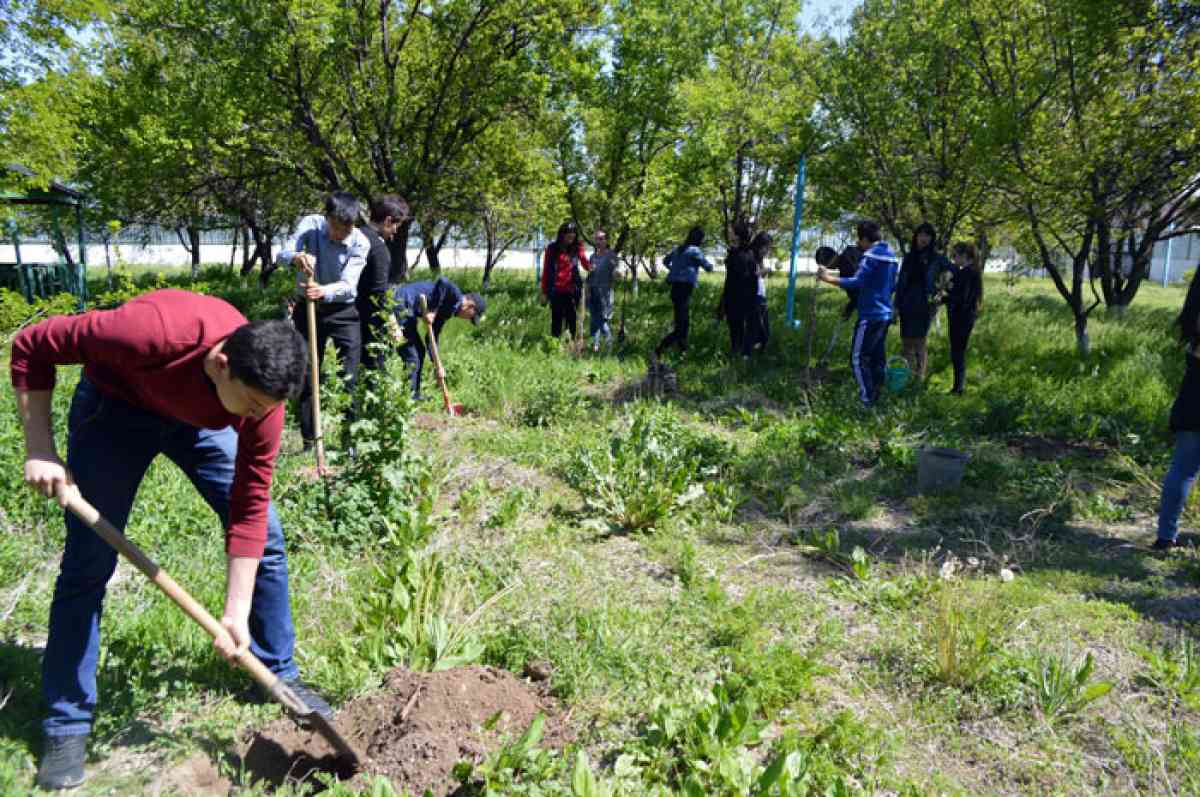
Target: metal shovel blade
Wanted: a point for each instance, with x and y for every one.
(347, 754)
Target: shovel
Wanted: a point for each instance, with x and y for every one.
(453, 410)
(315, 376)
(624, 301)
(278, 690)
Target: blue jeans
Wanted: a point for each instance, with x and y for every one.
(868, 358)
(110, 446)
(1185, 464)
(600, 308)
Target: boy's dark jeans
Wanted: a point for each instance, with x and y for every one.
(110, 446)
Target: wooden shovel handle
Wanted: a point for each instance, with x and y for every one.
(437, 367)
(315, 375)
(87, 513)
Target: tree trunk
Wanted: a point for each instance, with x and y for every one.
(108, 261)
(398, 249)
(433, 249)
(247, 264)
(194, 240)
(233, 246)
(489, 261)
(1079, 262)
(1082, 343)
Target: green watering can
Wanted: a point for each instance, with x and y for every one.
(898, 375)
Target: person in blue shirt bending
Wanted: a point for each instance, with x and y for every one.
(874, 281)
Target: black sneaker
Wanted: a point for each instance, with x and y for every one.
(62, 762)
(1165, 545)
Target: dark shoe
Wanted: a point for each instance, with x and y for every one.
(62, 762)
(310, 697)
(1165, 545)
(308, 445)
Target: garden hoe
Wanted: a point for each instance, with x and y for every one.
(348, 756)
(453, 410)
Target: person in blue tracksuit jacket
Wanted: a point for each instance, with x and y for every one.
(875, 281)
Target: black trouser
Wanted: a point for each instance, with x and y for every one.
(412, 352)
(737, 332)
(681, 297)
(563, 307)
(961, 322)
(372, 318)
(340, 323)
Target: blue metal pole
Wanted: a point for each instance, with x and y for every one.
(797, 220)
(1167, 265)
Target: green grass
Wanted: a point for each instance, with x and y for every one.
(800, 622)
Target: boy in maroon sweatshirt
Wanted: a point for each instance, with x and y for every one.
(172, 373)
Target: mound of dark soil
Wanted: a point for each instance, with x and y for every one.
(413, 731)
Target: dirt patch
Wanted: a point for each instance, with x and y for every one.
(498, 473)
(413, 732)
(661, 381)
(1048, 448)
(196, 777)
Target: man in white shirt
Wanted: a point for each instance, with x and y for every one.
(333, 251)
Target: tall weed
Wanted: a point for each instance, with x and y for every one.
(644, 473)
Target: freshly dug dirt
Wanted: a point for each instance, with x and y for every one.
(413, 732)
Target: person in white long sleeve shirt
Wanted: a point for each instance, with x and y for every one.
(332, 251)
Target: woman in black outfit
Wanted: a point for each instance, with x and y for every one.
(737, 295)
(914, 287)
(962, 307)
(760, 324)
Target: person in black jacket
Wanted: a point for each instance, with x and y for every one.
(1185, 423)
(759, 325)
(388, 212)
(963, 299)
(914, 287)
(737, 294)
(845, 264)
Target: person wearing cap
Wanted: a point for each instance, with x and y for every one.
(331, 251)
(443, 300)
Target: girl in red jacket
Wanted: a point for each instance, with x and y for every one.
(562, 281)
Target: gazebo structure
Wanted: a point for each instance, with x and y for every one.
(40, 280)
